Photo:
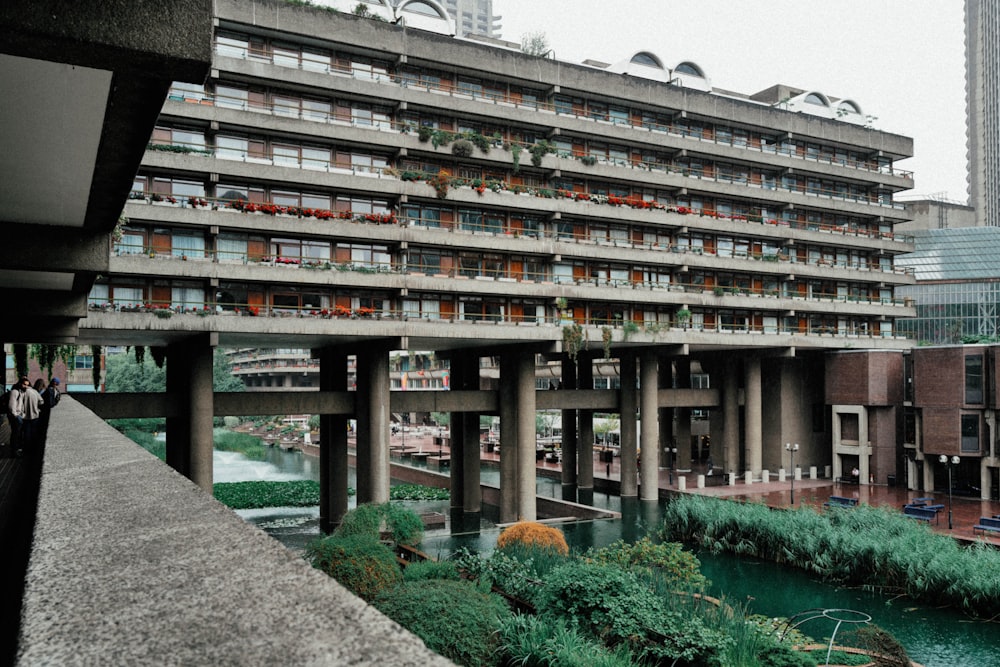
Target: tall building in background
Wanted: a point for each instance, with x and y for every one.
(474, 17)
(982, 62)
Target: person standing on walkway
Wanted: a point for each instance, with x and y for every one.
(16, 414)
(32, 415)
(50, 398)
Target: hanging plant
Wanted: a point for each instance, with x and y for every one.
(440, 184)
(159, 355)
(424, 133)
(95, 370)
(515, 151)
(539, 150)
(21, 359)
(606, 335)
(140, 354)
(573, 340)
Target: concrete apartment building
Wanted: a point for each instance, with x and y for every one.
(359, 186)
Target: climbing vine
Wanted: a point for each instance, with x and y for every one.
(573, 340)
(606, 335)
(95, 369)
(47, 355)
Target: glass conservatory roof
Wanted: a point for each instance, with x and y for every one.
(965, 253)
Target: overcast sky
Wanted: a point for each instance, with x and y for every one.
(902, 61)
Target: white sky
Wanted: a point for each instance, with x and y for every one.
(902, 61)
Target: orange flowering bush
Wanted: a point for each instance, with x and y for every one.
(531, 533)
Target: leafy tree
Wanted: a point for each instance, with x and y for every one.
(123, 374)
(535, 44)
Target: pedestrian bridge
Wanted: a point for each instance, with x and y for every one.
(132, 563)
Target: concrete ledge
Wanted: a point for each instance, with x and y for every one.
(133, 564)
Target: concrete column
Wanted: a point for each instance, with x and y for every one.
(682, 380)
(753, 415)
(585, 439)
(649, 476)
(508, 439)
(466, 493)
(525, 381)
(665, 380)
(731, 420)
(190, 380)
(569, 432)
(178, 449)
(332, 443)
(627, 412)
(373, 425)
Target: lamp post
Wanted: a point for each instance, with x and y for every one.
(949, 463)
(673, 459)
(791, 449)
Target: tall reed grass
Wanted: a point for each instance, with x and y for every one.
(875, 547)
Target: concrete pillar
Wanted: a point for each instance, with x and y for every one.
(731, 420)
(569, 431)
(682, 380)
(665, 380)
(373, 425)
(508, 439)
(466, 493)
(585, 435)
(753, 412)
(332, 443)
(525, 382)
(627, 415)
(189, 378)
(649, 418)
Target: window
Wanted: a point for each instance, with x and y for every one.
(83, 362)
(187, 244)
(132, 242)
(231, 98)
(974, 378)
(231, 247)
(187, 297)
(970, 433)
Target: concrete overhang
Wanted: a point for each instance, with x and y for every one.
(83, 83)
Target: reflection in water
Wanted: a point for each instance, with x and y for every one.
(934, 638)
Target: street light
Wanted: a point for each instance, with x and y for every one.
(673, 460)
(791, 449)
(954, 461)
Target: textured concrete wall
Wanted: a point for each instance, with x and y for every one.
(132, 564)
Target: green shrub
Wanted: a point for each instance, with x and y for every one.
(518, 569)
(530, 641)
(613, 605)
(405, 526)
(431, 569)
(669, 560)
(360, 562)
(607, 602)
(453, 618)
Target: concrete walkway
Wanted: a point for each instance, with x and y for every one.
(132, 564)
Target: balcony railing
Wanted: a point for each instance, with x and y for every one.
(502, 99)
(168, 310)
(505, 230)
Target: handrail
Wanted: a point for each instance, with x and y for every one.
(707, 173)
(501, 186)
(166, 310)
(502, 98)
